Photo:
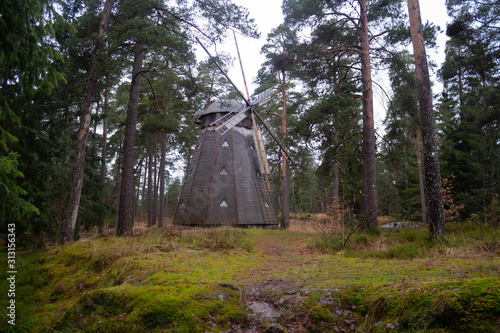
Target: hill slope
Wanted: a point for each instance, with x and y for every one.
(245, 280)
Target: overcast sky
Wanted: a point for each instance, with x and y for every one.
(267, 15)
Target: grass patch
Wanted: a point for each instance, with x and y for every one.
(220, 239)
(449, 306)
(462, 240)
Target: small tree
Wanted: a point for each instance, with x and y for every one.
(451, 211)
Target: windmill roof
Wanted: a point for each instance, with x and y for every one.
(219, 106)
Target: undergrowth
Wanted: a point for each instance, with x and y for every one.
(462, 240)
(221, 238)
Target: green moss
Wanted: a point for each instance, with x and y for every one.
(470, 305)
(151, 309)
(321, 315)
(164, 312)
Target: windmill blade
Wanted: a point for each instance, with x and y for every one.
(249, 104)
(261, 151)
(264, 97)
(275, 137)
(228, 121)
(223, 72)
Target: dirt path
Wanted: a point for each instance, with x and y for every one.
(281, 243)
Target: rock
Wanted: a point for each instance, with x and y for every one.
(264, 311)
(275, 328)
(327, 299)
(398, 225)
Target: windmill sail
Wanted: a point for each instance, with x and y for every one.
(249, 105)
(264, 97)
(261, 151)
(228, 121)
(274, 135)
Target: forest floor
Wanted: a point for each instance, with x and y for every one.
(304, 279)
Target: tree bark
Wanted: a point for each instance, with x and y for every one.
(421, 176)
(150, 182)
(163, 151)
(285, 193)
(155, 179)
(125, 221)
(161, 211)
(293, 192)
(144, 182)
(117, 179)
(138, 195)
(335, 210)
(369, 189)
(103, 155)
(69, 223)
(431, 160)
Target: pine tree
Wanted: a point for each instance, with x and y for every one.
(335, 19)
(279, 51)
(431, 160)
(69, 223)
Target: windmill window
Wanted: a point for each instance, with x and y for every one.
(190, 170)
(223, 172)
(266, 204)
(182, 203)
(225, 144)
(252, 146)
(223, 204)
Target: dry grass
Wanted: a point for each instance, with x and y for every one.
(307, 222)
(393, 243)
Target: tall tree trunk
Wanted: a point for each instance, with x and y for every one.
(144, 182)
(418, 150)
(369, 189)
(335, 211)
(431, 160)
(103, 155)
(293, 192)
(125, 223)
(278, 188)
(285, 193)
(150, 182)
(311, 200)
(155, 179)
(69, 223)
(118, 179)
(161, 211)
(163, 151)
(138, 195)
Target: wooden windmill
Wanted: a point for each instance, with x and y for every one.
(227, 178)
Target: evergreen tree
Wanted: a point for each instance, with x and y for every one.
(69, 224)
(469, 105)
(430, 150)
(28, 68)
(401, 147)
(341, 19)
(280, 56)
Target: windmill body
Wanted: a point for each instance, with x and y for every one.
(225, 183)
